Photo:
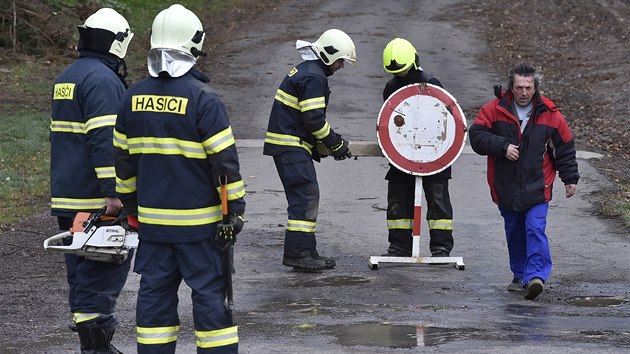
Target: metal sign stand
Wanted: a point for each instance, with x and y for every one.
(415, 250)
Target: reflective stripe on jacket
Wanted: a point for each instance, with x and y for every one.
(298, 115)
(546, 146)
(173, 141)
(85, 100)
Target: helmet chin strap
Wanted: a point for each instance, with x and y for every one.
(122, 64)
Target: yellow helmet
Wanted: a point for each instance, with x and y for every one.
(399, 55)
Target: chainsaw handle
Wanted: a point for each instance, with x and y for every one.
(223, 181)
(57, 239)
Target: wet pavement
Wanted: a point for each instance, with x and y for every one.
(406, 308)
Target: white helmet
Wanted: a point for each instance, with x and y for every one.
(178, 28)
(335, 44)
(105, 31)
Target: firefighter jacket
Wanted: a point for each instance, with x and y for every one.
(85, 100)
(298, 115)
(546, 145)
(414, 76)
(173, 147)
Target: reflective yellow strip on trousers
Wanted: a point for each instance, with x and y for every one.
(157, 335)
(217, 338)
(402, 224)
(301, 225)
(80, 317)
(440, 224)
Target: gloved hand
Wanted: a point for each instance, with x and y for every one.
(340, 149)
(227, 230)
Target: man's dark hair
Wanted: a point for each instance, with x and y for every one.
(525, 69)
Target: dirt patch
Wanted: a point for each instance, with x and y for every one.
(582, 47)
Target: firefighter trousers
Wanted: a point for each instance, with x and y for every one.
(299, 179)
(162, 267)
(528, 245)
(93, 286)
(400, 205)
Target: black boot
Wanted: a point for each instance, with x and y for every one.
(306, 261)
(96, 339)
(329, 261)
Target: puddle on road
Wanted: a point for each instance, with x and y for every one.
(597, 301)
(397, 336)
(334, 281)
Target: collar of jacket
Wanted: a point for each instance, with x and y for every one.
(324, 67)
(111, 61)
(199, 75)
(413, 76)
(540, 104)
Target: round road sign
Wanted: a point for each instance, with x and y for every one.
(421, 129)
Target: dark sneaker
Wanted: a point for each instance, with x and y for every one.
(396, 252)
(309, 263)
(515, 285)
(534, 288)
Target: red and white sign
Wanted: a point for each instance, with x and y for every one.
(421, 129)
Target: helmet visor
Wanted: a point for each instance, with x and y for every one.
(174, 62)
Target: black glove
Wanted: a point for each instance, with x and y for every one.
(228, 229)
(340, 150)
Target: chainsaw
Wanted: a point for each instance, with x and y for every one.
(96, 237)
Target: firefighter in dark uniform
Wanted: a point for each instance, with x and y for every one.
(401, 59)
(85, 100)
(297, 123)
(174, 148)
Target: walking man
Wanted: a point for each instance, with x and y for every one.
(527, 140)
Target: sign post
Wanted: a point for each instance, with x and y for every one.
(421, 130)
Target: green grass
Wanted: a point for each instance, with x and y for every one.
(24, 163)
(617, 204)
(25, 148)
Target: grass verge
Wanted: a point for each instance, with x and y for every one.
(25, 91)
(616, 204)
(24, 163)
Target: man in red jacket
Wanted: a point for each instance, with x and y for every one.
(527, 140)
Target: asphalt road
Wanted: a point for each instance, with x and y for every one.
(396, 308)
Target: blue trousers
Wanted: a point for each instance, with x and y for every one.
(163, 266)
(93, 286)
(297, 173)
(527, 242)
